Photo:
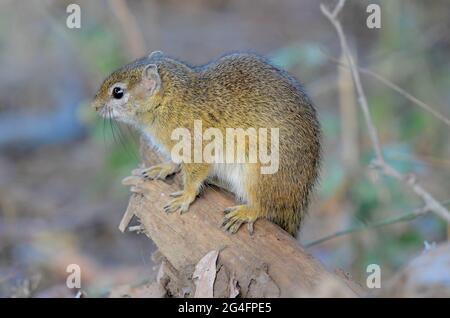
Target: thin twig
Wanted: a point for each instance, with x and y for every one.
(136, 228)
(387, 221)
(396, 88)
(132, 33)
(431, 204)
(338, 8)
(361, 96)
(126, 219)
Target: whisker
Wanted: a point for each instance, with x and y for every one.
(103, 132)
(111, 125)
(132, 137)
(123, 140)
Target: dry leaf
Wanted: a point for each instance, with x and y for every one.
(205, 275)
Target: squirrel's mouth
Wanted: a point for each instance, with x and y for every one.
(102, 111)
(107, 112)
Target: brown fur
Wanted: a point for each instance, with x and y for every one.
(237, 91)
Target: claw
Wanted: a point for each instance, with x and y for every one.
(180, 202)
(145, 175)
(230, 209)
(235, 216)
(160, 171)
(250, 227)
(224, 223)
(235, 227)
(231, 225)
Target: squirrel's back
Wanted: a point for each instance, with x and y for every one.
(246, 90)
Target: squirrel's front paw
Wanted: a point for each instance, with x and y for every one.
(181, 202)
(236, 216)
(160, 171)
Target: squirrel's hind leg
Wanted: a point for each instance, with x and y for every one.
(237, 215)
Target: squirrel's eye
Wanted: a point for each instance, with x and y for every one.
(117, 92)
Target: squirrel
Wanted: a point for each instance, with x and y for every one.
(157, 94)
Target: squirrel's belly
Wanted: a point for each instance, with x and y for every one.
(153, 143)
(234, 176)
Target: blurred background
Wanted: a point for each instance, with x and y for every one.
(61, 199)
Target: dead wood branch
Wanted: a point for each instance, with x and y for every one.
(268, 263)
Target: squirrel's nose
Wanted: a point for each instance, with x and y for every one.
(96, 106)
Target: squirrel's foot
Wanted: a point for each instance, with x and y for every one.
(235, 216)
(160, 171)
(181, 202)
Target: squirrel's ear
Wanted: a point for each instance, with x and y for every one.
(155, 54)
(151, 79)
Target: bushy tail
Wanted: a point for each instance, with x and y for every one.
(289, 219)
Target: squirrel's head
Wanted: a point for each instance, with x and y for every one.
(129, 92)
